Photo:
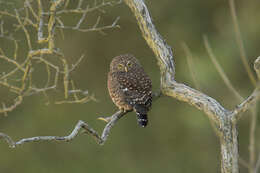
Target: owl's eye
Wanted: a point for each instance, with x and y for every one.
(129, 64)
(120, 67)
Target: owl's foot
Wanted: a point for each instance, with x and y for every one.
(106, 119)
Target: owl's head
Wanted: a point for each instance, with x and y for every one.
(124, 63)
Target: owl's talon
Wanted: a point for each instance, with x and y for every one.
(107, 119)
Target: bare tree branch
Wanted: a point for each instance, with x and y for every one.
(111, 121)
(224, 120)
(43, 22)
(253, 115)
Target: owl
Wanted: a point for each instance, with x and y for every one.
(130, 88)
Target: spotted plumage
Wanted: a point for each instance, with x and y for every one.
(130, 87)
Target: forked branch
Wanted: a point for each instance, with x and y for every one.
(81, 125)
(36, 19)
(224, 120)
(80, 128)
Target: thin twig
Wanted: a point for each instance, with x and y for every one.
(87, 10)
(240, 43)
(220, 69)
(28, 4)
(243, 162)
(13, 62)
(191, 65)
(10, 108)
(28, 38)
(94, 27)
(81, 20)
(76, 64)
(245, 105)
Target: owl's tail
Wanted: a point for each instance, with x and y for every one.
(141, 112)
(142, 119)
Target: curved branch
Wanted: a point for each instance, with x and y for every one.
(160, 48)
(76, 131)
(81, 125)
(164, 56)
(224, 120)
(169, 86)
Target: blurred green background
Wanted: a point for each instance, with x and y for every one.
(179, 138)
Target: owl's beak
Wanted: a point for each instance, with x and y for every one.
(126, 69)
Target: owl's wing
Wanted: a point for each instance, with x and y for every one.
(137, 89)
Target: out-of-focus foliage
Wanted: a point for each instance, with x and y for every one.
(179, 138)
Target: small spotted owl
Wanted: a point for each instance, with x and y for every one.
(130, 87)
